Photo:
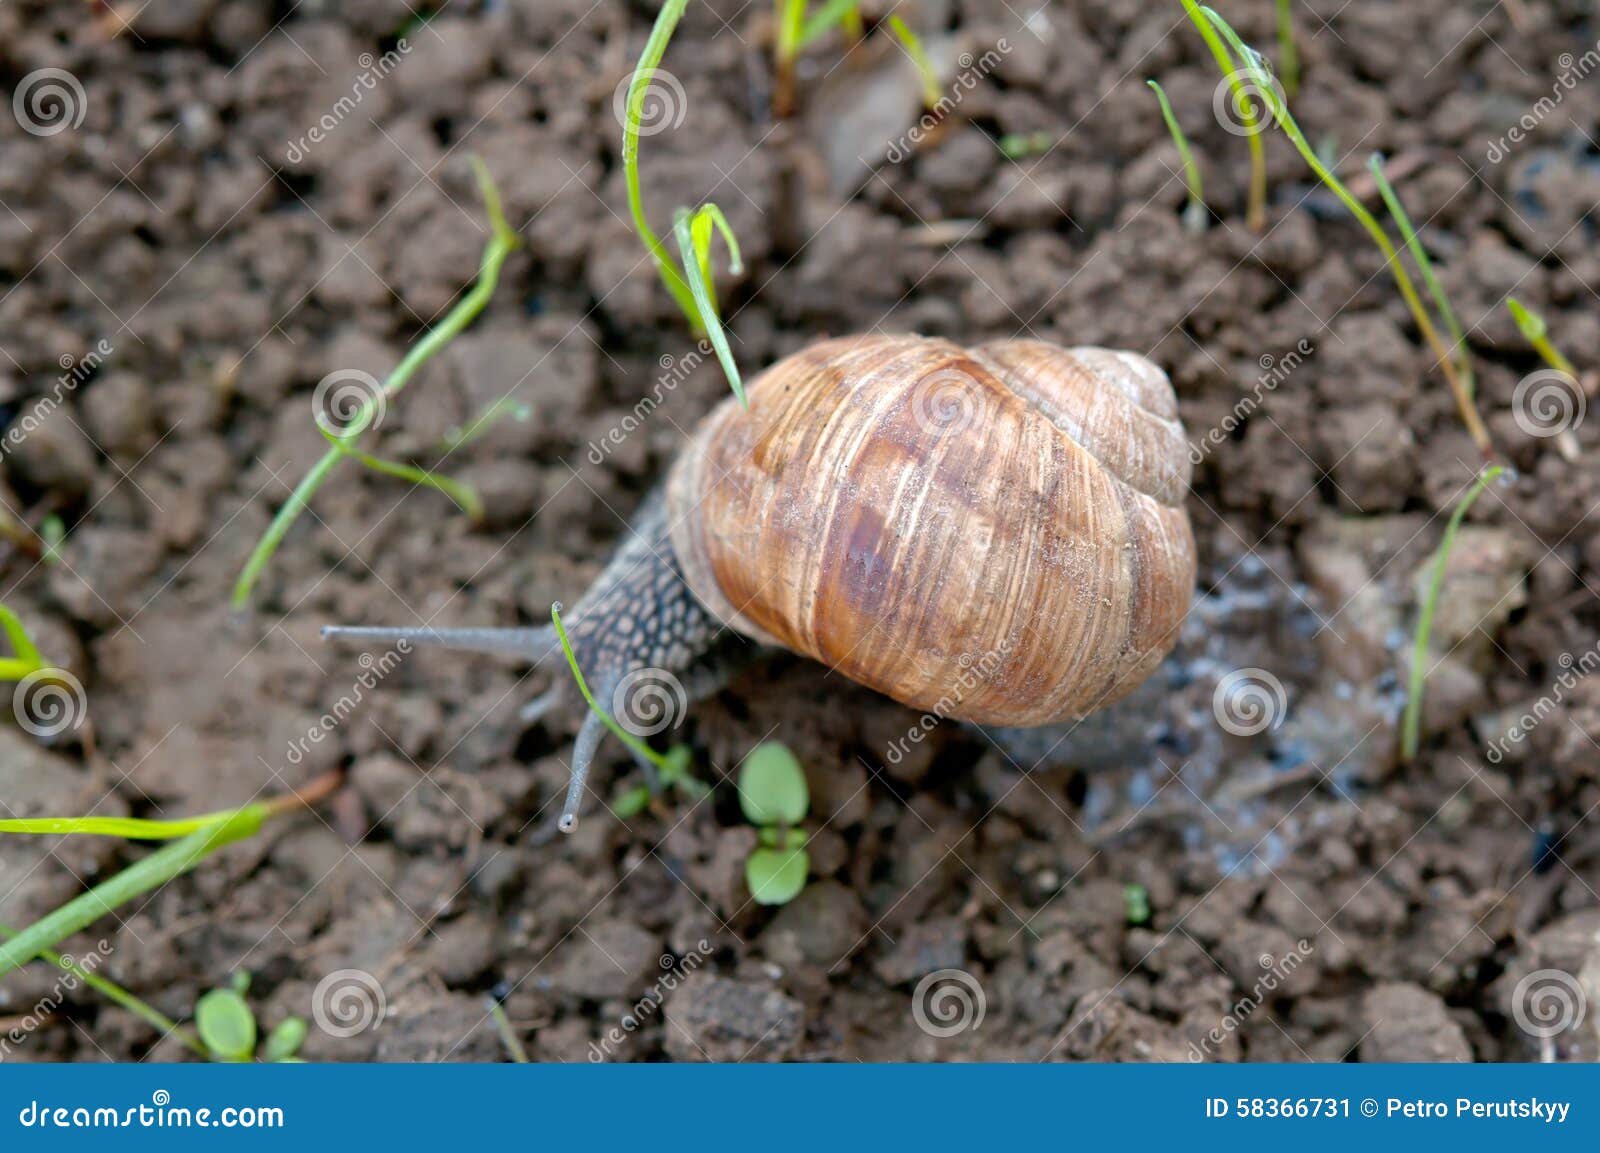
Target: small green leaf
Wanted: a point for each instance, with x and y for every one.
(240, 982)
(772, 786)
(776, 876)
(1531, 324)
(285, 1041)
(631, 802)
(1137, 898)
(226, 1025)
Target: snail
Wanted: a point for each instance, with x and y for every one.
(994, 535)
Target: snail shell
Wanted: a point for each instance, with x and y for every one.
(994, 534)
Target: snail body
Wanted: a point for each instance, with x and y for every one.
(994, 534)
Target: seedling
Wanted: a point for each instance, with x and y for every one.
(1537, 333)
(480, 425)
(53, 532)
(1441, 301)
(1411, 725)
(1256, 208)
(671, 767)
(502, 242)
(228, 1030)
(1021, 145)
(926, 72)
(774, 798)
(1279, 110)
(1195, 214)
(795, 32)
(192, 841)
(698, 305)
(31, 673)
(1288, 53)
(694, 232)
(1137, 899)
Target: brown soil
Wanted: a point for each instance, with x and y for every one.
(228, 280)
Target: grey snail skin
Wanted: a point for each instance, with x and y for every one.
(900, 509)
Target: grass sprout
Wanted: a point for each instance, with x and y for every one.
(1279, 110)
(1021, 145)
(697, 304)
(183, 853)
(695, 232)
(482, 424)
(465, 496)
(1411, 724)
(502, 242)
(926, 72)
(1537, 333)
(1441, 300)
(1288, 52)
(1256, 207)
(1194, 214)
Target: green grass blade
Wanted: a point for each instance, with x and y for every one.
(502, 242)
(693, 232)
(1534, 329)
(150, 873)
(129, 828)
(638, 746)
(1441, 301)
(117, 995)
(21, 643)
(465, 496)
(654, 49)
(1288, 53)
(791, 17)
(833, 14)
(1195, 215)
(931, 94)
(1291, 128)
(1256, 211)
(1411, 725)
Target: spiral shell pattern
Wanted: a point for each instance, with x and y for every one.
(890, 504)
